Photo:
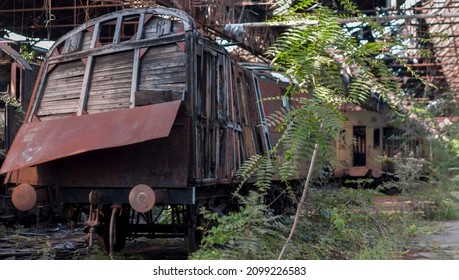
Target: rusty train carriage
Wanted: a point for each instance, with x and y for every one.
(138, 108)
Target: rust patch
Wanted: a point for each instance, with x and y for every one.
(142, 52)
(55, 52)
(44, 141)
(181, 46)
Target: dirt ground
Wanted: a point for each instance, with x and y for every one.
(440, 244)
(443, 244)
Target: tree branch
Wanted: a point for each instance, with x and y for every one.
(301, 202)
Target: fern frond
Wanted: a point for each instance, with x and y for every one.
(247, 170)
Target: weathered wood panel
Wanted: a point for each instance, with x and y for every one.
(86, 44)
(68, 107)
(110, 82)
(62, 90)
(163, 68)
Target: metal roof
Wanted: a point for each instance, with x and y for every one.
(424, 26)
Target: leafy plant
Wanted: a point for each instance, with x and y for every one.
(407, 174)
(29, 54)
(346, 224)
(438, 203)
(47, 252)
(2, 230)
(330, 68)
(252, 232)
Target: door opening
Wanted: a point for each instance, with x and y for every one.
(359, 146)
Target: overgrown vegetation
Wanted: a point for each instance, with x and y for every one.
(253, 232)
(346, 224)
(342, 223)
(28, 53)
(330, 68)
(2, 230)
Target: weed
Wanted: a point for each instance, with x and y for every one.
(408, 173)
(2, 230)
(47, 252)
(412, 230)
(250, 233)
(97, 254)
(383, 249)
(361, 183)
(345, 224)
(338, 224)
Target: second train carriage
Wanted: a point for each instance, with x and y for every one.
(134, 109)
(367, 143)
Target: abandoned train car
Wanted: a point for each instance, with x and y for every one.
(368, 141)
(138, 109)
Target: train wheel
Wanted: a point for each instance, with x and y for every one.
(113, 233)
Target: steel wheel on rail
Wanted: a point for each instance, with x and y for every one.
(113, 232)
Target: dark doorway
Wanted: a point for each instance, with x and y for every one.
(359, 146)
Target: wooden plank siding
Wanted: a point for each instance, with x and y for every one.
(62, 90)
(224, 136)
(87, 36)
(110, 84)
(163, 68)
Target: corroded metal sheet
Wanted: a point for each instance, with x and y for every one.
(40, 142)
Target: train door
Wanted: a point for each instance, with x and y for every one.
(216, 115)
(359, 146)
(208, 87)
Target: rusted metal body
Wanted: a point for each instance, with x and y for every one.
(40, 142)
(137, 108)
